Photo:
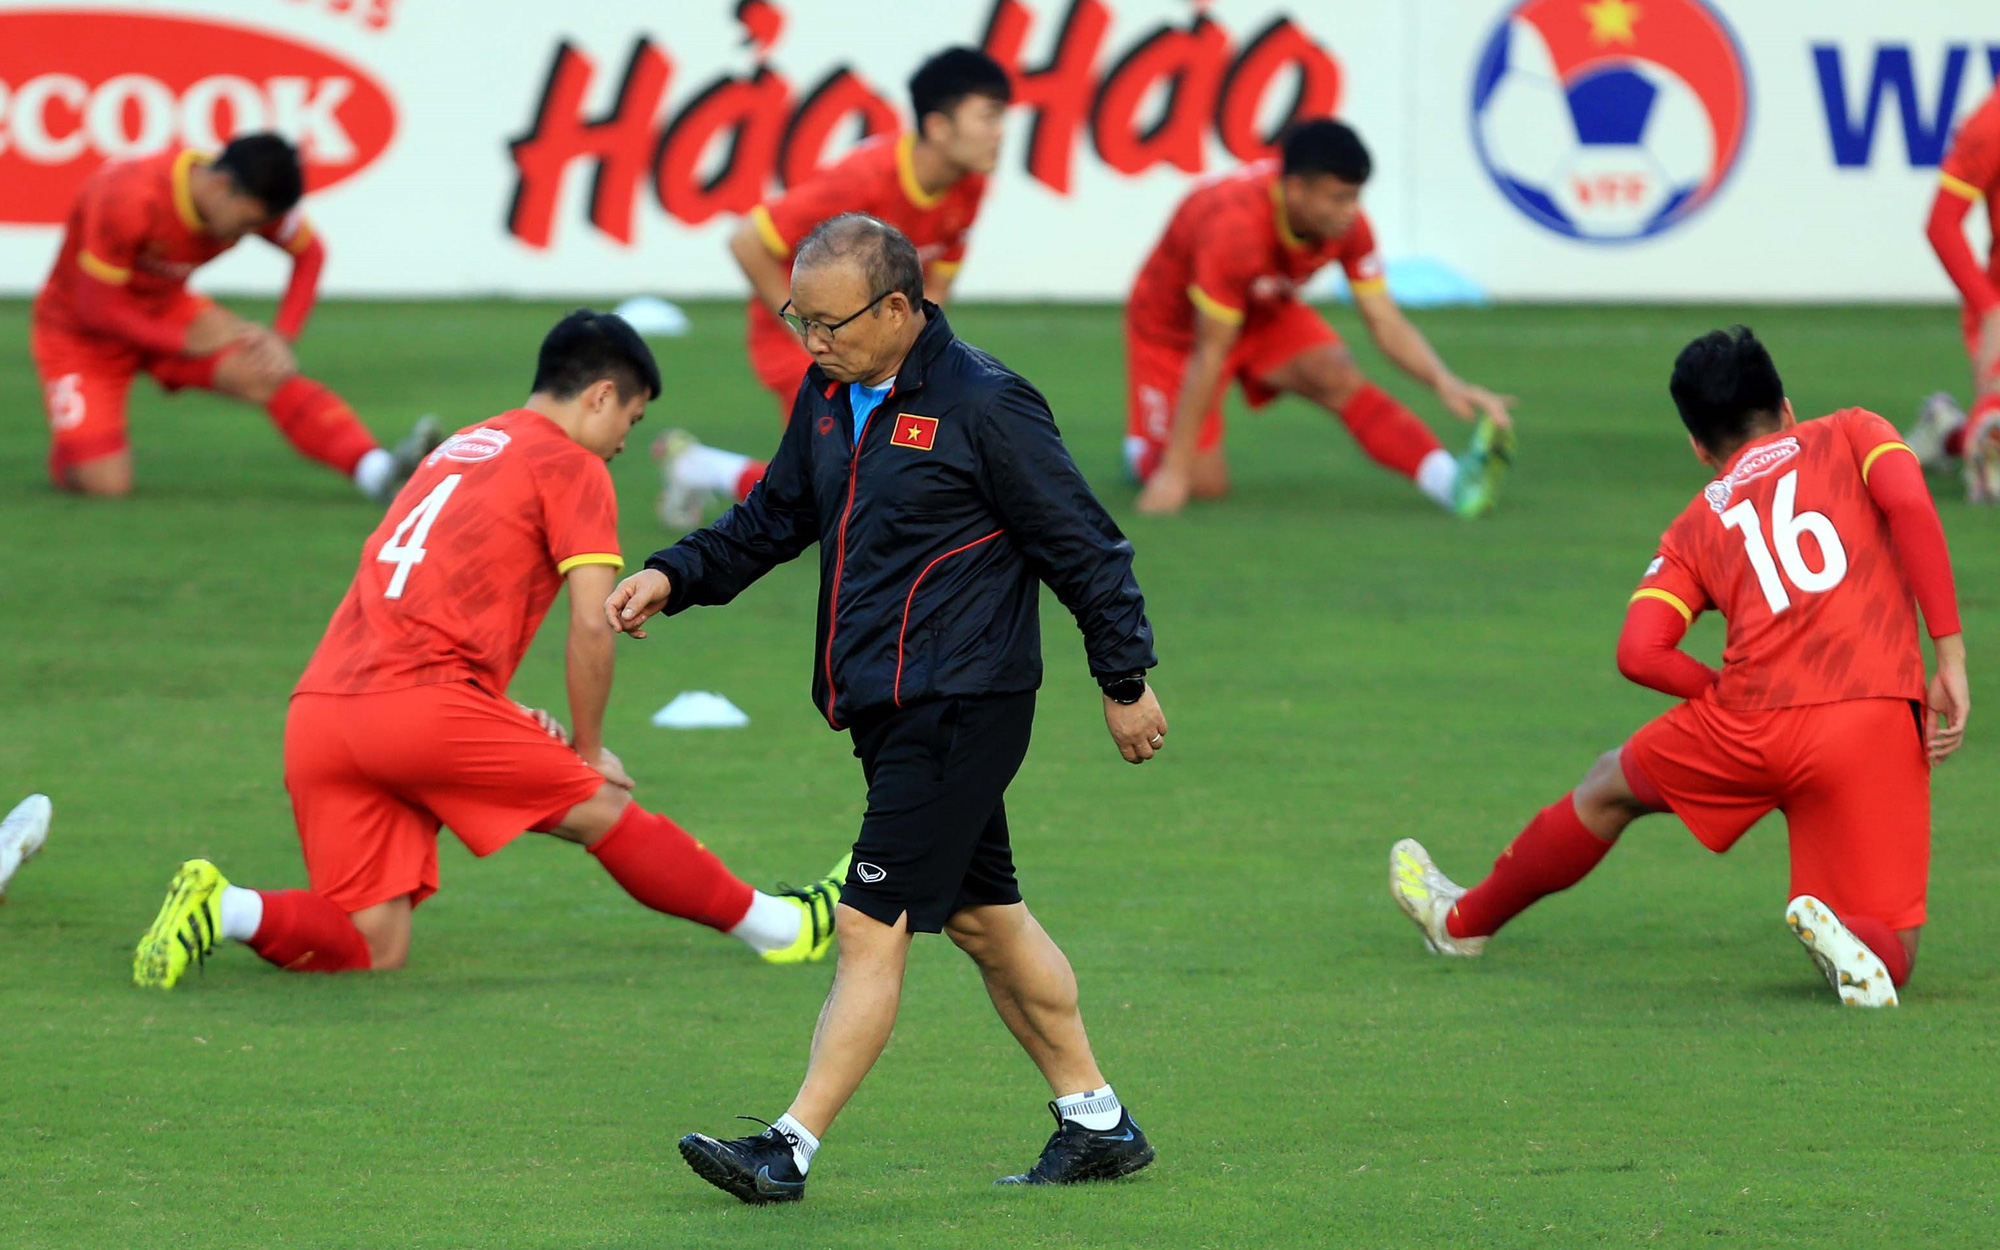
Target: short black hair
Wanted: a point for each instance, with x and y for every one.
(942, 82)
(885, 253)
(265, 167)
(585, 348)
(1326, 146)
(1723, 383)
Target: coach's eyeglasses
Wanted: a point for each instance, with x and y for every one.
(802, 327)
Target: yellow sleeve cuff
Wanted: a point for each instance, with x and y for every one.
(946, 268)
(1868, 461)
(768, 231)
(1961, 188)
(301, 238)
(611, 558)
(103, 271)
(1368, 286)
(1669, 598)
(1209, 306)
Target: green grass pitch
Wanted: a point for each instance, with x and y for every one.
(1647, 1060)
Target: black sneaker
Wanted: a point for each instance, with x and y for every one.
(756, 1169)
(1076, 1154)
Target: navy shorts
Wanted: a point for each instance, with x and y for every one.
(934, 841)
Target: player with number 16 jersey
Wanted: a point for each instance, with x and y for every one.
(1818, 543)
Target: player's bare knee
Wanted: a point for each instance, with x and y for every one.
(106, 478)
(1330, 378)
(592, 819)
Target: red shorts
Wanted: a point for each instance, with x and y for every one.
(86, 377)
(777, 357)
(1271, 337)
(1852, 779)
(373, 776)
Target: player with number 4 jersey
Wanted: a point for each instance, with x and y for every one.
(402, 724)
(1818, 543)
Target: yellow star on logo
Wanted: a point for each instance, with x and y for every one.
(916, 433)
(1611, 21)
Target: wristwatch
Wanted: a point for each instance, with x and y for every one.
(1127, 689)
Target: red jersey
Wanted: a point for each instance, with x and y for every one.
(458, 576)
(134, 226)
(876, 178)
(1788, 545)
(1224, 245)
(1972, 167)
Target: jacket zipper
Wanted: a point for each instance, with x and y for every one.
(840, 556)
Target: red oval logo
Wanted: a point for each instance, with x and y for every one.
(80, 87)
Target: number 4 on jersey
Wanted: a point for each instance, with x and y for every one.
(1786, 528)
(416, 527)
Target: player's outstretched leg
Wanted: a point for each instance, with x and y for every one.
(1854, 968)
(23, 833)
(692, 476)
(1557, 849)
(663, 867)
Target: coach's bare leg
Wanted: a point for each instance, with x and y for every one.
(1604, 799)
(859, 1013)
(386, 928)
(107, 477)
(1326, 375)
(1034, 990)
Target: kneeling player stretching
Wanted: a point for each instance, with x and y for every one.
(401, 722)
(1811, 541)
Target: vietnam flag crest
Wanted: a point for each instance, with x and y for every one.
(915, 431)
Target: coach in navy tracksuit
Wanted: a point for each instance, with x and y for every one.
(941, 495)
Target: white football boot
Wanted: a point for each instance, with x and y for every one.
(1856, 973)
(1982, 460)
(22, 834)
(1427, 897)
(682, 504)
(1937, 417)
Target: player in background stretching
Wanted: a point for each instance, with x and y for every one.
(928, 184)
(1218, 300)
(1812, 540)
(1970, 173)
(401, 722)
(117, 303)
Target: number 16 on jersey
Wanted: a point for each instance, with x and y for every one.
(1787, 526)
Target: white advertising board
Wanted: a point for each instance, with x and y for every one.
(1545, 149)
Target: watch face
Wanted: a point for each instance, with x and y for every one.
(1126, 689)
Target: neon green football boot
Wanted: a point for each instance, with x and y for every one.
(1481, 467)
(185, 931)
(815, 903)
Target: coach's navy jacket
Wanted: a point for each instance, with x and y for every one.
(933, 536)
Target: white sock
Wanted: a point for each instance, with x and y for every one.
(771, 924)
(1097, 1110)
(242, 912)
(374, 471)
(710, 468)
(1436, 475)
(804, 1144)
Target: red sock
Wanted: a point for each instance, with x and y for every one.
(1877, 936)
(747, 480)
(320, 424)
(1390, 433)
(660, 864)
(303, 932)
(1553, 853)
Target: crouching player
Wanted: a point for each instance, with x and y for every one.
(117, 303)
(1811, 541)
(1969, 174)
(402, 724)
